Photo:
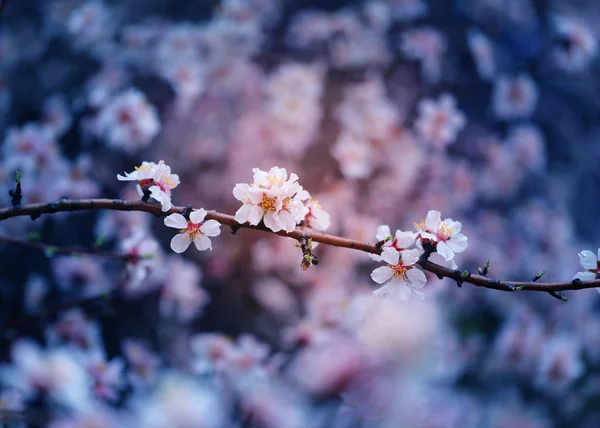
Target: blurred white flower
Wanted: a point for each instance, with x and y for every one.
(590, 263)
(439, 121)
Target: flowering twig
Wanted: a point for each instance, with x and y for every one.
(51, 250)
(68, 205)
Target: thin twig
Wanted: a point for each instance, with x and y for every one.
(67, 205)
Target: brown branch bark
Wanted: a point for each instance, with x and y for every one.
(68, 205)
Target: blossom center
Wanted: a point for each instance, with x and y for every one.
(399, 271)
(193, 230)
(267, 204)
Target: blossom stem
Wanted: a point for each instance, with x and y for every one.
(68, 205)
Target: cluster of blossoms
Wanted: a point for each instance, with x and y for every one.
(280, 202)
(156, 179)
(433, 234)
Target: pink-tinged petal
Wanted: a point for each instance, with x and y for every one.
(416, 278)
(211, 228)
(405, 239)
(287, 221)
(588, 260)
(383, 232)
(410, 257)
(177, 221)
(243, 213)
(256, 215)
(390, 255)
(197, 216)
(180, 243)
(433, 220)
(271, 222)
(381, 274)
(458, 243)
(202, 243)
(240, 190)
(585, 276)
(445, 251)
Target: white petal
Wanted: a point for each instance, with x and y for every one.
(241, 215)
(390, 255)
(177, 221)
(433, 220)
(271, 222)
(416, 278)
(588, 260)
(381, 274)
(256, 214)
(444, 250)
(202, 243)
(198, 215)
(180, 243)
(405, 239)
(211, 228)
(383, 232)
(585, 276)
(410, 257)
(458, 243)
(239, 191)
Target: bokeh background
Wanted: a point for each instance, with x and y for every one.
(485, 110)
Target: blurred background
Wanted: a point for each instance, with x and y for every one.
(485, 110)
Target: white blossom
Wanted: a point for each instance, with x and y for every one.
(401, 273)
(195, 230)
(157, 179)
(270, 198)
(444, 235)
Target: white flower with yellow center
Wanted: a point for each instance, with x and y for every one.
(195, 230)
(157, 179)
(400, 241)
(444, 235)
(270, 198)
(401, 273)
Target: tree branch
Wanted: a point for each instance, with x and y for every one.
(68, 205)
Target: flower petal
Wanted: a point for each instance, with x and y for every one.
(458, 243)
(588, 260)
(585, 276)
(211, 228)
(381, 274)
(410, 257)
(177, 221)
(202, 243)
(383, 232)
(198, 215)
(390, 255)
(243, 213)
(433, 220)
(180, 243)
(416, 278)
(445, 251)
